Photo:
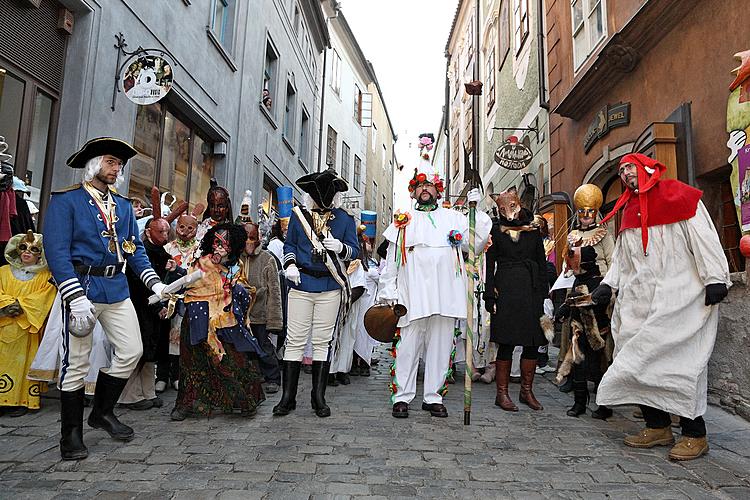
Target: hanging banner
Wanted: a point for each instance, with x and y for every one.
(147, 78)
(513, 155)
(738, 127)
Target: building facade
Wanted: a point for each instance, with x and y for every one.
(215, 121)
(513, 100)
(638, 76)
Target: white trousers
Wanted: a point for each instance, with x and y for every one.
(314, 312)
(141, 384)
(120, 325)
(434, 337)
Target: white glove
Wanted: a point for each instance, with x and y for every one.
(292, 274)
(158, 289)
(82, 319)
(474, 195)
(333, 245)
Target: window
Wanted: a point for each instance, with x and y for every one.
(382, 211)
(490, 85)
(296, 25)
(336, 72)
(269, 77)
(172, 154)
(291, 102)
(468, 128)
(588, 28)
(374, 199)
(357, 172)
(385, 154)
(503, 33)
(345, 152)
(222, 22)
(374, 138)
(331, 147)
(456, 153)
(304, 136)
(357, 104)
(521, 23)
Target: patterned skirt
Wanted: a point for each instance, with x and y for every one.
(207, 387)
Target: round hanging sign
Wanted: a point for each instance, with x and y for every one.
(513, 155)
(146, 78)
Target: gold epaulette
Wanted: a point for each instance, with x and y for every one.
(68, 189)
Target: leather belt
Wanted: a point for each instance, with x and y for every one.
(103, 271)
(315, 274)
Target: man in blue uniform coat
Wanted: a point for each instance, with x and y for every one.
(90, 236)
(318, 243)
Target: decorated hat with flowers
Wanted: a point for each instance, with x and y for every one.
(426, 174)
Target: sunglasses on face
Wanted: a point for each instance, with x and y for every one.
(23, 247)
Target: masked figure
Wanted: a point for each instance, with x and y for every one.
(586, 346)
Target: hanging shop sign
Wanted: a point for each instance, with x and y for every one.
(609, 117)
(147, 78)
(513, 155)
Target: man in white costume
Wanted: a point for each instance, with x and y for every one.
(669, 272)
(425, 272)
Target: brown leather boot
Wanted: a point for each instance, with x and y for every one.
(648, 438)
(528, 366)
(689, 448)
(502, 378)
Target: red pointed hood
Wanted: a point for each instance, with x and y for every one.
(656, 202)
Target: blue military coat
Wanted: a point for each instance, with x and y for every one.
(298, 251)
(73, 229)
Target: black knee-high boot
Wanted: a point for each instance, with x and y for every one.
(108, 390)
(580, 392)
(71, 425)
(318, 394)
(289, 380)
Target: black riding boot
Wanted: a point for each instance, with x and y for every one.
(318, 394)
(71, 425)
(108, 390)
(289, 380)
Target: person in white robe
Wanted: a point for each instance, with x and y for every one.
(669, 272)
(425, 272)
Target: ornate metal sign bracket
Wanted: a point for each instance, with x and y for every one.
(527, 129)
(120, 45)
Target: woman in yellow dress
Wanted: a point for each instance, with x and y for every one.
(26, 297)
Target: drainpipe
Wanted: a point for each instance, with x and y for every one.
(543, 102)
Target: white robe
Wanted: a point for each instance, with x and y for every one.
(663, 331)
(364, 344)
(433, 280)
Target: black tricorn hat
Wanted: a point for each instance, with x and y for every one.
(322, 186)
(99, 147)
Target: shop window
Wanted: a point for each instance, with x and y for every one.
(357, 172)
(172, 154)
(521, 23)
(291, 103)
(12, 91)
(331, 147)
(589, 28)
(345, 152)
(222, 22)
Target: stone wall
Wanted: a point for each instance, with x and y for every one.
(729, 367)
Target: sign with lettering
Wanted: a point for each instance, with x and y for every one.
(609, 117)
(147, 78)
(513, 155)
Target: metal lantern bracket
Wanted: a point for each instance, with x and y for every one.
(527, 129)
(120, 46)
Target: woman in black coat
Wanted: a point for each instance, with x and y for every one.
(515, 291)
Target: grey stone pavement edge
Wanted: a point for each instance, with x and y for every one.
(362, 452)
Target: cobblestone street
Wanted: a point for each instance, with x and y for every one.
(361, 451)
